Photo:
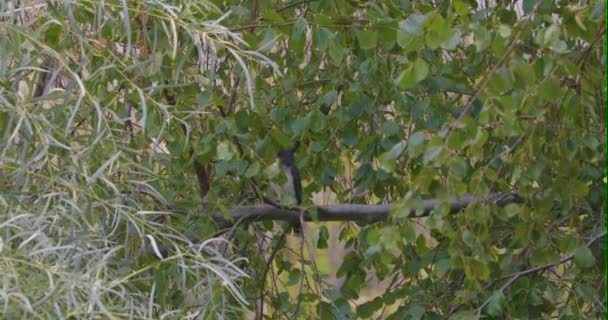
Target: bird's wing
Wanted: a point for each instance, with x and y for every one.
(297, 185)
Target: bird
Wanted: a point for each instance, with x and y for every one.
(294, 182)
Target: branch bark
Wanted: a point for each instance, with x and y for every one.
(351, 212)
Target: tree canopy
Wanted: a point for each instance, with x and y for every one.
(452, 155)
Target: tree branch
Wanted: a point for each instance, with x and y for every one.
(351, 212)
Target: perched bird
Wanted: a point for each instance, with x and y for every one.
(293, 186)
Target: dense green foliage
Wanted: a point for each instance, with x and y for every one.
(117, 115)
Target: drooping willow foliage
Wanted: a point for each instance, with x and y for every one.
(86, 132)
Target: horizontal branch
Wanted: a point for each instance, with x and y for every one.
(351, 212)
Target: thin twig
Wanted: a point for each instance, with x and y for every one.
(293, 4)
(275, 249)
(302, 273)
(520, 274)
(232, 100)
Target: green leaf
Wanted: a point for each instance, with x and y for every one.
(580, 189)
(390, 128)
(297, 41)
(321, 235)
(299, 27)
(373, 251)
(453, 41)
(468, 239)
(388, 159)
(431, 154)
(223, 151)
(559, 46)
(294, 277)
(528, 6)
(53, 35)
(482, 38)
(390, 237)
(204, 99)
(420, 70)
(349, 137)
(475, 269)
(300, 125)
(367, 39)
(438, 32)
(413, 24)
(268, 40)
(324, 310)
(409, 42)
(459, 167)
(584, 258)
(415, 144)
(524, 74)
(413, 74)
(512, 210)
(318, 121)
(416, 311)
(279, 137)
(239, 10)
(585, 290)
(253, 170)
(408, 231)
(387, 35)
(465, 315)
(330, 97)
(550, 36)
(504, 31)
(496, 304)
(336, 52)
(366, 310)
(321, 37)
(599, 10)
(271, 15)
(569, 68)
(460, 7)
(549, 89)
(351, 287)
